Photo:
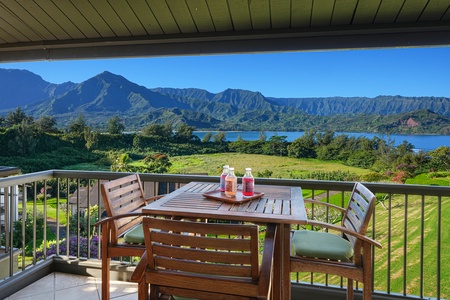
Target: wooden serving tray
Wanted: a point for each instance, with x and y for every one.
(239, 198)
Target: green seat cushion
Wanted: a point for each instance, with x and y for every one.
(320, 244)
(135, 235)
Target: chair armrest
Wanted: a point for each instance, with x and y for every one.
(127, 215)
(344, 230)
(307, 201)
(139, 271)
(154, 198)
(266, 271)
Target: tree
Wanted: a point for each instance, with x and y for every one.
(440, 158)
(159, 131)
(277, 145)
(262, 136)
(304, 146)
(207, 137)
(2, 122)
(24, 142)
(184, 133)
(157, 163)
(120, 162)
(17, 117)
(219, 137)
(90, 137)
(115, 126)
(77, 127)
(325, 138)
(46, 124)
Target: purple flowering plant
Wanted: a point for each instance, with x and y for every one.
(73, 247)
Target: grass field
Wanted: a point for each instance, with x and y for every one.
(50, 208)
(282, 167)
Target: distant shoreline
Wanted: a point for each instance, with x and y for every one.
(424, 142)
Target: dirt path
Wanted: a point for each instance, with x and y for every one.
(52, 224)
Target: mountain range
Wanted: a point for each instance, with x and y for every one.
(105, 95)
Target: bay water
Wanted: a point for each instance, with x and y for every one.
(420, 142)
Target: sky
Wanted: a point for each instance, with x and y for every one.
(352, 73)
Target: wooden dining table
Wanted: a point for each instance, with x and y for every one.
(280, 205)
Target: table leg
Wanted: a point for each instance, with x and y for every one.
(277, 288)
(286, 260)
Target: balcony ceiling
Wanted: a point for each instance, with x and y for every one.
(80, 29)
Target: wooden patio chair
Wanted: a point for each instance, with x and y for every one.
(204, 261)
(122, 233)
(348, 254)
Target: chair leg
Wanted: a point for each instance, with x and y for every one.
(105, 278)
(367, 276)
(143, 290)
(154, 294)
(367, 291)
(350, 292)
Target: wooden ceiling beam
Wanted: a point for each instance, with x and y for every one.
(326, 38)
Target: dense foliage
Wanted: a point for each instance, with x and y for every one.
(38, 145)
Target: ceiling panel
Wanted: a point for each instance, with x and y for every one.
(411, 10)
(446, 16)
(76, 17)
(435, 10)
(260, 14)
(145, 17)
(200, 13)
(163, 16)
(343, 12)
(111, 18)
(10, 19)
(10, 33)
(388, 11)
(322, 11)
(240, 14)
(366, 10)
(220, 15)
(182, 15)
(281, 14)
(71, 29)
(61, 19)
(94, 18)
(128, 17)
(6, 36)
(301, 13)
(53, 30)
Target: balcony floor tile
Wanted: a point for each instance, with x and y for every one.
(67, 287)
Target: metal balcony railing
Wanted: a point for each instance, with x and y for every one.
(410, 221)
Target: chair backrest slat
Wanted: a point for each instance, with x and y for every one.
(201, 241)
(355, 215)
(219, 256)
(210, 269)
(202, 248)
(123, 195)
(359, 211)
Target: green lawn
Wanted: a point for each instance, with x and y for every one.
(282, 167)
(426, 179)
(51, 208)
